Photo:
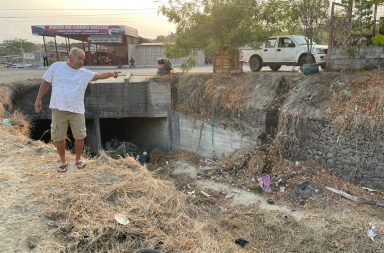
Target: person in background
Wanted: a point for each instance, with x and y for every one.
(69, 81)
(45, 59)
(132, 63)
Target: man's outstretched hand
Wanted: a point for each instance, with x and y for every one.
(116, 74)
(38, 105)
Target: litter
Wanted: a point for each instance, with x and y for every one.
(372, 231)
(241, 242)
(265, 183)
(7, 122)
(120, 218)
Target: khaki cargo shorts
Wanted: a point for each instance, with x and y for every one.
(60, 122)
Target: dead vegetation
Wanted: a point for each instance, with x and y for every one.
(16, 119)
(80, 205)
(361, 102)
(212, 96)
(84, 204)
(335, 224)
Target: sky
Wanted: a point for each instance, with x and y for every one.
(17, 16)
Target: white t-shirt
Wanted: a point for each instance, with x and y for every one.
(68, 86)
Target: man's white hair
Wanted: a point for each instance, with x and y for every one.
(76, 51)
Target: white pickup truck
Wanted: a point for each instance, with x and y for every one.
(288, 50)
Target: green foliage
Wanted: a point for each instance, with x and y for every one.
(16, 47)
(143, 40)
(350, 51)
(312, 15)
(226, 25)
(355, 26)
(378, 40)
(165, 38)
(218, 27)
(257, 189)
(381, 26)
(363, 14)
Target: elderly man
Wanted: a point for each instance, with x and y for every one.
(69, 81)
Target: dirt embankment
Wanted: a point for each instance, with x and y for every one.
(43, 211)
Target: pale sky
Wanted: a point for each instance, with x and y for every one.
(17, 16)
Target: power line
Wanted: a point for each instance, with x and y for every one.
(125, 9)
(78, 15)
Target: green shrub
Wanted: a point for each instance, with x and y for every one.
(378, 40)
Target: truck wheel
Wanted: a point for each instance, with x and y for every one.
(275, 67)
(303, 60)
(323, 66)
(255, 63)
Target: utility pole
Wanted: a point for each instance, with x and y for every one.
(22, 51)
(331, 32)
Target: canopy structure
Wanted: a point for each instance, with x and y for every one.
(122, 40)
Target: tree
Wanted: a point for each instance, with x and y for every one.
(313, 15)
(376, 3)
(165, 38)
(220, 25)
(144, 40)
(365, 13)
(16, 47)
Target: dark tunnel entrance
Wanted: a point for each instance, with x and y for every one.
(145, 133)
(41, 130)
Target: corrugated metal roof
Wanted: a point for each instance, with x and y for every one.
(151, 44)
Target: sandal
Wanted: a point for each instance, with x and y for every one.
(80, 164)
(62, 167)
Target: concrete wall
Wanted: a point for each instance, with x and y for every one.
(147, 55)
(109, 100)
(207, 138)
(145, 106)
(149, 133)
(357, 58)
(128, 100)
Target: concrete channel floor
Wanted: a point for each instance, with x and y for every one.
(235, 195)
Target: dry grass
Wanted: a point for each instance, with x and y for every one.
(5, 99)
(84, 204)
(364, 104)
(7, 93)
(212, 95)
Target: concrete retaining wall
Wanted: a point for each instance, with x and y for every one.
(117, 99)
(208, 139)
(356, 58)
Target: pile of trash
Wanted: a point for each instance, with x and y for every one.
(121, 149)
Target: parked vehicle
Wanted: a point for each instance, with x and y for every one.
(290, 50)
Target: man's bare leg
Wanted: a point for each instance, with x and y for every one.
(60, 147)
(79, 146)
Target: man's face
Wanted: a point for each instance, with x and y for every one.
(77, 60)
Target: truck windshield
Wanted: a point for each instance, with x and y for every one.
(302, 40)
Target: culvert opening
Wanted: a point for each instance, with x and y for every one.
(41, 131)
(145, 133)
